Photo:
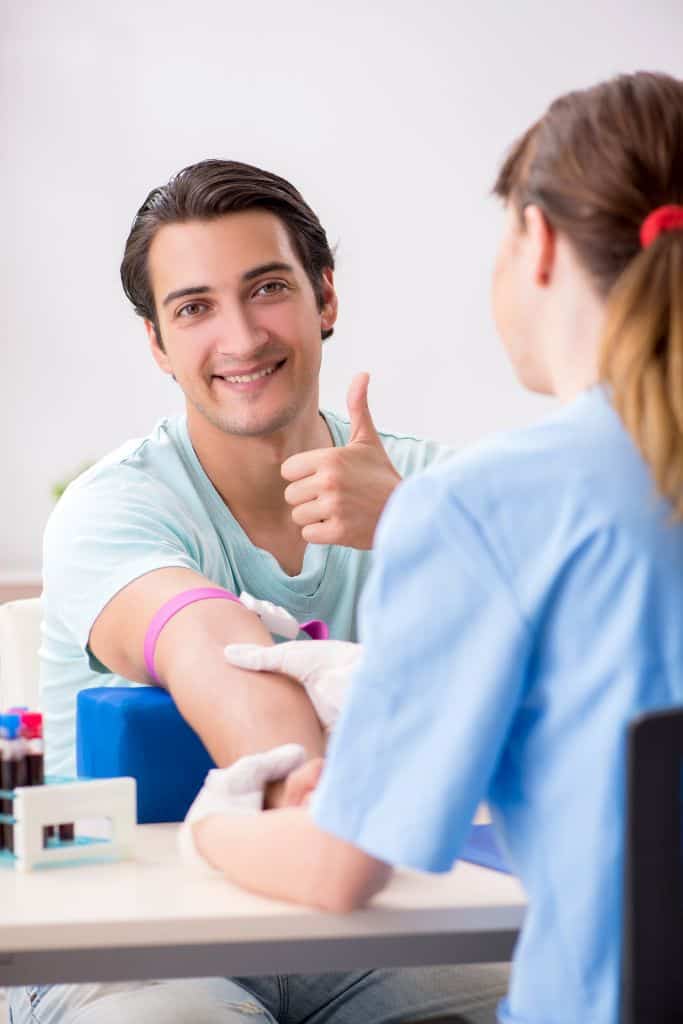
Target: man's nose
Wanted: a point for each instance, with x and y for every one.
(237, 335)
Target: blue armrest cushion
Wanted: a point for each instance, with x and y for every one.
(138, 731)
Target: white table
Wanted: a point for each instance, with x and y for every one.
(151, 917)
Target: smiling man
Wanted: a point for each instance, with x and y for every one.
(252, 489)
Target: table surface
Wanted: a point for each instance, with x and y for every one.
(153, 917)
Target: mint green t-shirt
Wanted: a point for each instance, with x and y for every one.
(150, 505)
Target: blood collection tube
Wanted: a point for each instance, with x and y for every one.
(32, 732)
(3, 755)
(66, 830)
(12, 769)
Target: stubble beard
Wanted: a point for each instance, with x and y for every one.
(235, 427)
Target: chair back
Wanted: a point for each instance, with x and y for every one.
(652, 976)
(19, 643)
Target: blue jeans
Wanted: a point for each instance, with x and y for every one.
(359, 997)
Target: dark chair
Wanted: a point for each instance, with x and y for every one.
(449, 1019)
(652, 971)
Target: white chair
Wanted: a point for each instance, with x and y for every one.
(19, 642)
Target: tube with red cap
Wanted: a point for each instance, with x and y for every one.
(32, 733)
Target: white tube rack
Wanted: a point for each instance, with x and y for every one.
(38, 807)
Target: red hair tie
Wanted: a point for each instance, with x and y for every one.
(664, 218)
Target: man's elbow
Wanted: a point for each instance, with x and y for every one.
(344, 891)
(341, 900)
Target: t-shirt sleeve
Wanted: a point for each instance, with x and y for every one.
(411, 455)
(445, 649)
(103, 534)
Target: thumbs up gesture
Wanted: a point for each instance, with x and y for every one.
(337, 494)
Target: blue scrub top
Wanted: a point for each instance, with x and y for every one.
(526, 601)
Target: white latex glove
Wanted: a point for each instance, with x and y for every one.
(238, 789)
(323, 667)
(274, 617)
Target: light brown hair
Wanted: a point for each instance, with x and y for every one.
(597, 163)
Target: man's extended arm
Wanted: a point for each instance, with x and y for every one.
(235, 712)
(313, 867)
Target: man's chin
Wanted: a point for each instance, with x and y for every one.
(251, 424)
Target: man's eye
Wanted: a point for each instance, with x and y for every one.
(191, 309)
(270, 288)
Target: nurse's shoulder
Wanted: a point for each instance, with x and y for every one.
(580, 458)
(535, 498)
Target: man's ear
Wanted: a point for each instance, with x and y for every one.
(541, 240)
(330, 306)
(160, 357)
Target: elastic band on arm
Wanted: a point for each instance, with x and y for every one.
(316, 628)
(168, 610)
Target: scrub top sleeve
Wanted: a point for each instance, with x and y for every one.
(430, 706)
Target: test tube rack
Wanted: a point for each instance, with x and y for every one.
(36, 808)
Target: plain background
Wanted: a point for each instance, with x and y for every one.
(391, 117)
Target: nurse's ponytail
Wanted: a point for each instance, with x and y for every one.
(598, 163)
(642, 358)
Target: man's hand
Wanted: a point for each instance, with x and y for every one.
(301, 782)
(240, 789)
(337, 494)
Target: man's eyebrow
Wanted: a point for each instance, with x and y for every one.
(248, 275)
(199, 289)
(266, 268)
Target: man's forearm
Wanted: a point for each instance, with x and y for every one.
(233, 711)
(236, 712)
(313, 867)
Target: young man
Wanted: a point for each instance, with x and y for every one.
(252, 489)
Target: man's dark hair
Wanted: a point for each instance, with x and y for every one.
(206, 191)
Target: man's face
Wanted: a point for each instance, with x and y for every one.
(239, 320)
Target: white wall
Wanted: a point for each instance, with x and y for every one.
(391, 117)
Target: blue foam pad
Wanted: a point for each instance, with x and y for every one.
(482, 848)
(138, 731)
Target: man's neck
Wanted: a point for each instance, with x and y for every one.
(246, 470)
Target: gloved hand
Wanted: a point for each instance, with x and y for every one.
(274, 617)
(238, 789)
(323, 667)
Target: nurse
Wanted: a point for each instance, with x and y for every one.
(526, 599)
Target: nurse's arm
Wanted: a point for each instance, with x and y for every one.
(235, 712)
(284, 855)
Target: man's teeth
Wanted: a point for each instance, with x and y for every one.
(244, 378)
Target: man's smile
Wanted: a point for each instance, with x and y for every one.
(249, 379)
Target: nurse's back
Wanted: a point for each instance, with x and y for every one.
(595, 562)
(589, 287)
